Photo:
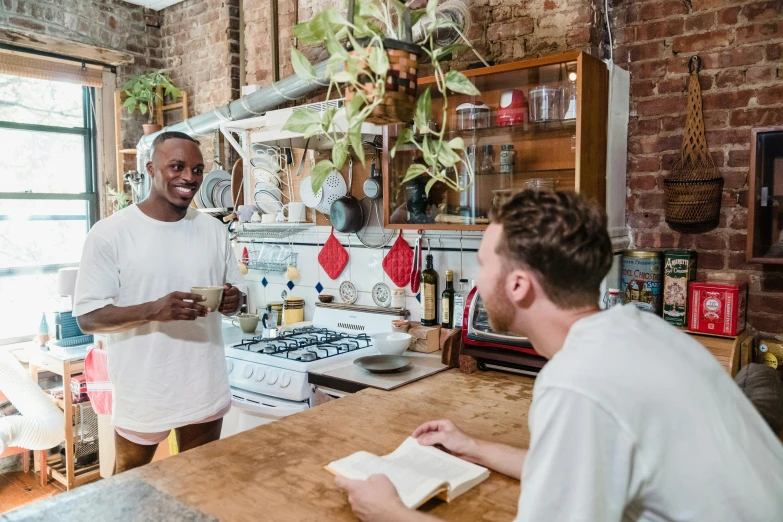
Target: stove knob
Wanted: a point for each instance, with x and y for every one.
(248, 371)
(260, 374)
(230, 366)
(272, 377)
(285, 380)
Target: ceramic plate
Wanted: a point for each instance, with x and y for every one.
(348, 292)
(384, 363)
(267, 202)
(381, 295)
(210, 180)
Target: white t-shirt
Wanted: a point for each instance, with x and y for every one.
(163, 375)
(634, 420)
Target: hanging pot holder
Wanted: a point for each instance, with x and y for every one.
(333, 257)
(397, 263)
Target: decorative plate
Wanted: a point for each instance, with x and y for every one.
(381, 295)
(348, 292)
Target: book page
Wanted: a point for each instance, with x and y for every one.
(413, 487)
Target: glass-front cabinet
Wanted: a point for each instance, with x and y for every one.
(538, 123)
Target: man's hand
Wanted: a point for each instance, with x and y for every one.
(445, 435)
(231, 297)
(374, 499)
(177, 306)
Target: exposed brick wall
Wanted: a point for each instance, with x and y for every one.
(741, 45)
(201, 53)
(103, 23)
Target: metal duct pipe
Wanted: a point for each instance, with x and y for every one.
(287, 89)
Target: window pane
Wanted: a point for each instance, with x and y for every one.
(35, 232)
(25, 298)
(42, 102)
(41, 162)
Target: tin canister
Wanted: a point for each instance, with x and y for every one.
(641, 279)
(679, 269)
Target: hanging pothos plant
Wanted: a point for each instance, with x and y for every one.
(363, 71)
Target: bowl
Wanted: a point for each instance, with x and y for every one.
(325, 298)
(391, 343)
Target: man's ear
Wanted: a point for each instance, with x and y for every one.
(519, 287)
(150, 169)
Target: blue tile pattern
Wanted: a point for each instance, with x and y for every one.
(264, 282)
(418, 297)
(319, 287)
(290, 285)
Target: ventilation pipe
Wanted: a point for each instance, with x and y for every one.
(287, 89)
(40, 426)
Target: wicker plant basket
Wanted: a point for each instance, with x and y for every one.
(694, 187)
(399, 101)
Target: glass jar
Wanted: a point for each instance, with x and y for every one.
(473, 116)
(487, 161)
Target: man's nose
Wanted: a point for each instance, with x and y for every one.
(188, 175)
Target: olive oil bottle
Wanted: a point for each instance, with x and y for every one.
(429, 293)
(447, 302)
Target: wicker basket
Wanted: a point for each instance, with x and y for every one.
(399, 101)
(694, 187)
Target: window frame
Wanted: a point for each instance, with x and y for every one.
(90, 195)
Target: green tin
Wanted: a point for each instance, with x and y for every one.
(679, 269)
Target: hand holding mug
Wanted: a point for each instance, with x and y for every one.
(231, 298)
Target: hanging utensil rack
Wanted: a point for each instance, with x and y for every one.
(258, 231)
(273, 267)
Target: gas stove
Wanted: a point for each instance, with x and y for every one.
(306, 344)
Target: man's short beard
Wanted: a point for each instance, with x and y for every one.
(500, 309)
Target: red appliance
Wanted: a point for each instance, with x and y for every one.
(492, 348)
(512, 109)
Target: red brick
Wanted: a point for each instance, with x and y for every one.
(711, 261)
(670, 85)
(643, 164)
(660, 106)
(735, 179)
(644, 127)
(770, 95)
(767, 324)
(651, 69)
(739, 261)
(716, 138)
(510, 29)
(728, 16)
(650, 201)
(739, 242)
(739, 221)
(759, 32)
(727, 100)
(27, 24)
(655, 10)
(667, 240)
(710, 242)
(668, 160)
(644, 239)
(642, 89)
(700, 22)
(637, 221)
(761, 74)
(662, 29)
(551, 5)
(730, 78)
(653, 144)
(673, 123)
(769, 9)
(739, 158)
(774, 52)
(715, 119)
(646, 51)
(757, 117)
(701, 5)
(772, 280)
(700, 42)
(735, 57)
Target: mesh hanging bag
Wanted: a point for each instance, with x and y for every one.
(693, 188)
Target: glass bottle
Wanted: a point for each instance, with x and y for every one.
(487, 163)
(459, 303)
(447, 302)
(467, 198)
(429, 291)
(612, 298)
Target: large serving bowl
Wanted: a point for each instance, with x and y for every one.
(391, 343)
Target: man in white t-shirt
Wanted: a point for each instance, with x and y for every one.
(166, 360)
(631, 419)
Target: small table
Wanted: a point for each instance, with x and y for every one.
(65, 367)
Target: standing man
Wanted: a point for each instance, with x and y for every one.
(166, 361)
(631, 419)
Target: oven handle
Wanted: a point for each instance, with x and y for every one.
(270, 410)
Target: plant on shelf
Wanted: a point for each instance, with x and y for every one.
(361, 70)
(142, 93)
(119, 199)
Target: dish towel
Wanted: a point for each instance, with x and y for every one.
(96, 374)
(397, 263)
(333, 257)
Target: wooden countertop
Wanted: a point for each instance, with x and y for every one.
(276, 472)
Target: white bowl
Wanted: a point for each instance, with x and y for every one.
(391, 343)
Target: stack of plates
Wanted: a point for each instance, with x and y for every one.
(215, 191)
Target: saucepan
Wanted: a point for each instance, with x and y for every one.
(346, 212)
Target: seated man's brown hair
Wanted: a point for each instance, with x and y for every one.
(562, 238)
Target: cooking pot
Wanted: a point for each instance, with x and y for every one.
(346, 212)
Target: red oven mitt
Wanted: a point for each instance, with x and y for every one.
(397, 263)
(333, 257)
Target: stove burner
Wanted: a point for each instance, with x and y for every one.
(308, 356)
(306, 344)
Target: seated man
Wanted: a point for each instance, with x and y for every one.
(631, 419)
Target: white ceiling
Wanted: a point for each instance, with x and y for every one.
(157, 5)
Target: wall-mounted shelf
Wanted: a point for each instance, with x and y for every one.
(259, 231)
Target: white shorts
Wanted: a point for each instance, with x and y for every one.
(149, 439)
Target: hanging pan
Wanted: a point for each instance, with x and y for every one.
(346, 212)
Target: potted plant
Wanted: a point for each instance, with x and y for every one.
(119, 199)
(378, 49)
(142, 92)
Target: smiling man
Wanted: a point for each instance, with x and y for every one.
(166, 361)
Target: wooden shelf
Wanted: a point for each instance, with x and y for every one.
(127, 151)
(84, 475)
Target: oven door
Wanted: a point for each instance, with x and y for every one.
(249, 410)
(481, 332)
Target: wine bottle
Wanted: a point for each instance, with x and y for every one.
(447, 302)
(429, 292)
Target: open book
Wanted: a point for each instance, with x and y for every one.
(418, 472)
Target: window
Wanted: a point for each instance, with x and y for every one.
(47, 194)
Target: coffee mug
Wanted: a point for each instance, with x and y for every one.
(247, 322)
(296, 211)
(245, 212)
(268, 219)
(212, 294)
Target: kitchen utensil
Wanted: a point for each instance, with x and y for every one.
(325, 298)
(384, 363)
(348, 292)
(373, 187)
(391, 343)
(473, 116)
(381, 295)
(545, 104)
(333, 257)
(247, 322)
(213, 295)
(309, 198)
(398, 262)
(296, 211)
(302, 161)
(238, 184)
(346, 212)
(416, 267)
(292, 273)
(512, 109)
(334, 188)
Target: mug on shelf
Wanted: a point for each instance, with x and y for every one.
(296, 211)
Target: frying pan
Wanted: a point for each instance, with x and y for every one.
(346, 212)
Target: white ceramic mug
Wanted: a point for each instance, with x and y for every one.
(245, 212)
(296, 211)
(268, 219)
